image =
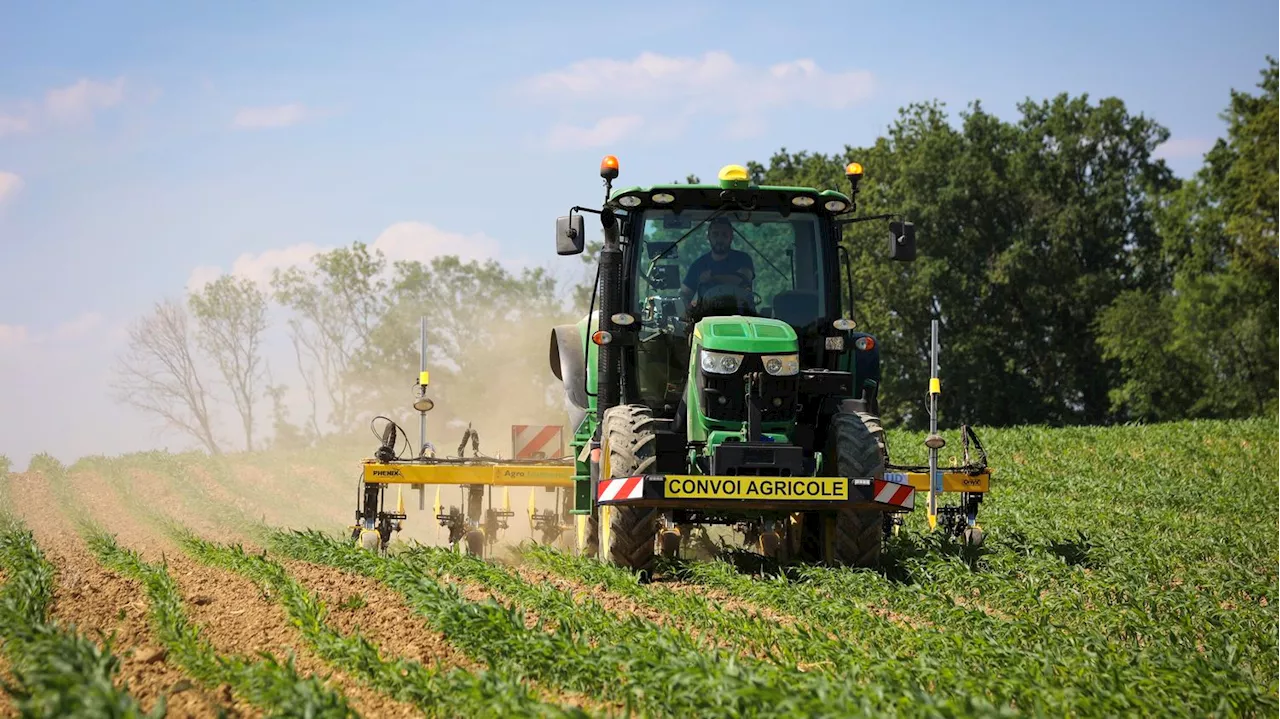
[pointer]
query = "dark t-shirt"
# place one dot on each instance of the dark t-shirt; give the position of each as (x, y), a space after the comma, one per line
(735, 261)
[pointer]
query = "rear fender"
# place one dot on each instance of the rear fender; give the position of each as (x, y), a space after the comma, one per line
(569, 365)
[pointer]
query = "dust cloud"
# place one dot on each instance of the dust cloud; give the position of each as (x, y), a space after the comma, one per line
(497, 388)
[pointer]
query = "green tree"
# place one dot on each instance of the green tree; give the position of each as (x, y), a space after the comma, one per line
(337, 303)
(1025, 230)
(1216, 303)
(231, 318)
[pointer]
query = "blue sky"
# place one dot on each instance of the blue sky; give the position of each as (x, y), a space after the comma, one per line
(146, 144)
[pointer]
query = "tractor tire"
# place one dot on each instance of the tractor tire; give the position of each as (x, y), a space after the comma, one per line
(475, 543)
(858, 446)
(632, 449)
(591, 543)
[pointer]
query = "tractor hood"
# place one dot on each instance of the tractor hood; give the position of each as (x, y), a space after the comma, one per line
(736, 333)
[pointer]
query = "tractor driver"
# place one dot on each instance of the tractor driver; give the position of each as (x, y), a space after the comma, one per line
(723, 265)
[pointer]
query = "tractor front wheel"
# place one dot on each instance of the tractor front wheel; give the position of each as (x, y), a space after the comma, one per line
(630, 449)
(858, 446)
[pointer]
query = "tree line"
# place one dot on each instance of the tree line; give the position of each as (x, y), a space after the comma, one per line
(1075, 278)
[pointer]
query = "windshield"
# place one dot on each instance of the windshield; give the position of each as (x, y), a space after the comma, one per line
(743, 262)
(753, 263)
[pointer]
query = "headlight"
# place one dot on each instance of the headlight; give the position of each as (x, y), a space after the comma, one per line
(720, 362)
(782, 365)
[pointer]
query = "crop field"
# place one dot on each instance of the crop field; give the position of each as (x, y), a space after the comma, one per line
(1127, 571)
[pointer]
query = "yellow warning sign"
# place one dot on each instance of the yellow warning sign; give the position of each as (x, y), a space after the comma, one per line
(834, 489)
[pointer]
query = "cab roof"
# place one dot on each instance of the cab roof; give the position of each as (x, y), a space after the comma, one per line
(704, 195)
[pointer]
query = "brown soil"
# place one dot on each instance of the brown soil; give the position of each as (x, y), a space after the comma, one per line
(97, 600)
(234, 614)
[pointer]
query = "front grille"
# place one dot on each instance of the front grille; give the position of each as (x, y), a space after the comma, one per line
(723, 397)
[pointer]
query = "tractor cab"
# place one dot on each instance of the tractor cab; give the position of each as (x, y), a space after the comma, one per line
(694, 256)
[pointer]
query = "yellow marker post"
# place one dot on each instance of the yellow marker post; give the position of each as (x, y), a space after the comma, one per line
(935, 389)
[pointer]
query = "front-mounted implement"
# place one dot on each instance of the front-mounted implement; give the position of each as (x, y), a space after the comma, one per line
(474, 524)
(720, 379)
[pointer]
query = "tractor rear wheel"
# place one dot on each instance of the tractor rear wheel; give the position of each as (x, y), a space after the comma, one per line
(858, 446)
(630, 449)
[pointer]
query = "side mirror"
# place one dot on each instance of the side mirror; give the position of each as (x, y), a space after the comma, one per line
(571, 235)
(902, 241)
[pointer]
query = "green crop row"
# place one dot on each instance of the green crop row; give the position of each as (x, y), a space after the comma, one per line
(56, 671)
(265, 683)
(1133, 568)
(657, 670)
(437, 693)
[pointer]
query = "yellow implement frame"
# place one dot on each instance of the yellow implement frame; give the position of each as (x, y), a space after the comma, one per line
(494, 475)
(951, 481)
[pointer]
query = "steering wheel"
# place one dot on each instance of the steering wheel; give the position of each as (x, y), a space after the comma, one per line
(724, 286)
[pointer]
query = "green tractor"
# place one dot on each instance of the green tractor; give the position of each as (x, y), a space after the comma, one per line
(717, 379)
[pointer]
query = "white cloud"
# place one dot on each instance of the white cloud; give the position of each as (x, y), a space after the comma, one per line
(70, 105)
(82, 326)
(274, 116)
(606, 131)
(400, 241)
(12, 336)
(78, 101)
(713, 84)
(13, 124)
(9, 185)
(1183, 147)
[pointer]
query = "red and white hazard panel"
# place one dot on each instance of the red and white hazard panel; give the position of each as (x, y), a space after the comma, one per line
(621, 488)
(537, 441)
(902, 495)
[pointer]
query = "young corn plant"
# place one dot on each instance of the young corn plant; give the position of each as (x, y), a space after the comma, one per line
(266, 683)
(435, 692)
(56, 670)
(658, 671)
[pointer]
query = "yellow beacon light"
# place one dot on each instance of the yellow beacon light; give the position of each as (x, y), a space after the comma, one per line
(853, 171)
(734, 176)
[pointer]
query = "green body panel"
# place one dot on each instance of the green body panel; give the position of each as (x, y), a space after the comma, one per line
(735, 333)
(582, 498)
(758, 335)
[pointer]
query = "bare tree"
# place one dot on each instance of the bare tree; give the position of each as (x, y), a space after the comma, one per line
(159, 375)
(231, 313)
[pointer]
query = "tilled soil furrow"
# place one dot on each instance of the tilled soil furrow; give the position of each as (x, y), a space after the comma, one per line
(98, 600)
(386, 619)
(236, 616)
(360, 604)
